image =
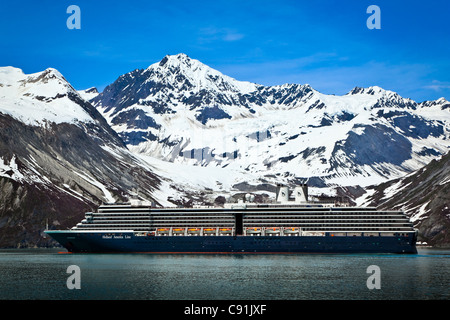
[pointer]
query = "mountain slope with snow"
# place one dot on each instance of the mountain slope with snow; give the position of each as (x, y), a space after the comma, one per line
(58, 158)
(39, 97)
(424, 195)
(182, 111)
(181, 132)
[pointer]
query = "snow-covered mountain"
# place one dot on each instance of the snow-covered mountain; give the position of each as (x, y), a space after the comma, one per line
(38, 98)
(88, 94)
(181, 111)
(182, 132)
(424, 195)
(58, 158)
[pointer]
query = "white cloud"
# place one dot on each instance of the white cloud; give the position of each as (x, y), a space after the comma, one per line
(219, 34)
(438, 86)
(232, 36)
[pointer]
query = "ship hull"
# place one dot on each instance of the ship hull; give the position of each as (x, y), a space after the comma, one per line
(123, 242)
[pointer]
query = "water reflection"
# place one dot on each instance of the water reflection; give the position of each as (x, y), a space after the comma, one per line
(41, 274)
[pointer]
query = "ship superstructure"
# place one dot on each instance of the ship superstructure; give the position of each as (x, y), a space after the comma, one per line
(287, 225)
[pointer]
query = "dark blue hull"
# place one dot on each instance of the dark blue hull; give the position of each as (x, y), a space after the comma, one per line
(128, 242)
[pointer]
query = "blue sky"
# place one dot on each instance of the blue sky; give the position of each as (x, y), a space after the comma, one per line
(323, 43)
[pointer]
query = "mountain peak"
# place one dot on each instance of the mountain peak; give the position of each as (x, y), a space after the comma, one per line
(88, 94)
(91, 90)
(442, 103)
(49, 75)
(180, 60)
(173, 59)
(10, 70)
(181, 70)
(39, 97)
(9, 75)
(372, 90)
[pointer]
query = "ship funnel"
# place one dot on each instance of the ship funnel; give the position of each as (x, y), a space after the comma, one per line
(301, 193)
(282, 193)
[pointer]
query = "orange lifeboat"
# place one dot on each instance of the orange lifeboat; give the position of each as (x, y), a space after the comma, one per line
(290, 231)
(209, 231)
(254, 230)
(194, 230)
(273, 230)
(163, 231)
(225, 230)
(178, 230)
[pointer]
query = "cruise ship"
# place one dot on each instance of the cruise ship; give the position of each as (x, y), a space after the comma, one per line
(290, 224)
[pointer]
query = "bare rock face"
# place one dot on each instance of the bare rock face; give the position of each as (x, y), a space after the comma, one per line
(182, 111)
(425, 196)
(63, 152)
(58, 159)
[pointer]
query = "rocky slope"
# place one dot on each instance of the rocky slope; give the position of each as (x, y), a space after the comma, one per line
(424, 195)
(182, 111)
(58, 158)
(181, 132)
(210, 132)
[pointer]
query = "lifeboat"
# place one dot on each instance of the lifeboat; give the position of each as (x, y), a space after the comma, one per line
(225, 230)
(272, 230)
(291, 231)
(209, 231)
(178, 230)
(254, 230)
(162, 231)
(194, 230)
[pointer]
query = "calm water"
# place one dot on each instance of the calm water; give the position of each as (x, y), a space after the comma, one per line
(42, 274)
